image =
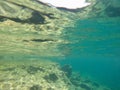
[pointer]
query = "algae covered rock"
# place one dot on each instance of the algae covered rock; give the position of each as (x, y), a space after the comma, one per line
(18, 78)
(41, 75)
(35, 87)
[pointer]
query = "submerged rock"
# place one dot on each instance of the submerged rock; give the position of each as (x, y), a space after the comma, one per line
(112, 11)
(51, 77)
(41, 40)
(81, 83)
(36, 87)
(84, 86)
(67, 69)
(33, 70)
(95, 84)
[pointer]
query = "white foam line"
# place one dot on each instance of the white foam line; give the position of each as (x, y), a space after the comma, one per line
(69, 4)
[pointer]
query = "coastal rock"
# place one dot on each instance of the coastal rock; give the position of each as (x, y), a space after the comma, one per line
(29, 75)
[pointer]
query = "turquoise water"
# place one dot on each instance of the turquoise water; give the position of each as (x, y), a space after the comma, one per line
(95, 51)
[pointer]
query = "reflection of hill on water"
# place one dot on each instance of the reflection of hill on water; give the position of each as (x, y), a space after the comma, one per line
(33, 28)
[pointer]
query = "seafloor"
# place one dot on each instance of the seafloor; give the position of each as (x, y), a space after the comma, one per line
(42, 75)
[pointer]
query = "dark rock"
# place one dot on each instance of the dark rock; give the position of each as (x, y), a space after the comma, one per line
(67, 69)
(23, 66)
(87, 81)
(51, 77)
(75, 79)
(33, 70)
(2, 19)
(36, 12)
(76, 83)
(85, 86)
(41, 40)
(112, 11)
(36, 18)
(33, 17)
(33, 20)
(38, 40)
(36, 87)
(25, 40)
(95, 84)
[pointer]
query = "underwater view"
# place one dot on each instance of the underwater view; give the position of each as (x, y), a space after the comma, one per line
(59, 45)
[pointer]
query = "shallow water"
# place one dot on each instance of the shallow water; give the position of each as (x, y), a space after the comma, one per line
(96, 51)
(91, 47)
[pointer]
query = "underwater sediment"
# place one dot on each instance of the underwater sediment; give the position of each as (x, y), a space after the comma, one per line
(42, 75)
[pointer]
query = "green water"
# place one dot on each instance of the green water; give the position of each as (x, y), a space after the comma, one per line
(95, 53)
